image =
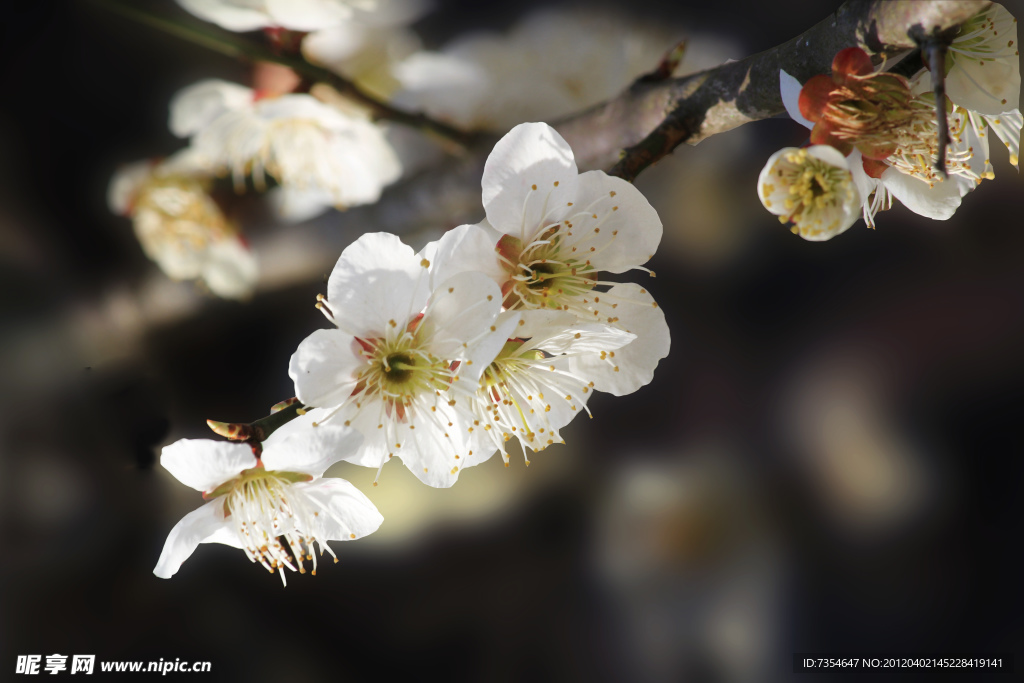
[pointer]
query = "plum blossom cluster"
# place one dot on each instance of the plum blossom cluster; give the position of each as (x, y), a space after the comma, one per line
(321, 150)
(875, 134)
(499, 332)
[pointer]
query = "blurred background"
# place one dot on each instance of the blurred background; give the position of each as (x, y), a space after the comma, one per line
(827, 461)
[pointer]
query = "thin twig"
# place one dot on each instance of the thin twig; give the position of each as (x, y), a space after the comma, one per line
(241, 47)
(933, 53)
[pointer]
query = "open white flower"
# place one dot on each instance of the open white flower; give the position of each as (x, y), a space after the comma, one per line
(308, 146)
(551, 231)
(812, 188)
(387, 369)
(531, 389)
(983, 76)
(297, 15)
(276, 507)
(180, 227)
(983, 67)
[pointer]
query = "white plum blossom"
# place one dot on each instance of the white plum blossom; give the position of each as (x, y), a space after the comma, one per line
(336, 158)
(296, 15)
(550, 232)
(275, 507)
(180, 227)
(366, 49)
(811, 187)
(983, 73)
(387, 368)
(531, 389)
(983, 77)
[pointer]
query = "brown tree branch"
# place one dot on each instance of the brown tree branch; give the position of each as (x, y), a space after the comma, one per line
(650, 119)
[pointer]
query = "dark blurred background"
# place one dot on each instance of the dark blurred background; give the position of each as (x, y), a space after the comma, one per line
(827, 461)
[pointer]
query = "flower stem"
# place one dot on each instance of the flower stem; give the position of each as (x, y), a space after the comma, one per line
(241, 47)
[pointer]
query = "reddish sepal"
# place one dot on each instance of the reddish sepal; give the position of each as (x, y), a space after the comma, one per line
(852, 61)
(874, 168)
(814, 97)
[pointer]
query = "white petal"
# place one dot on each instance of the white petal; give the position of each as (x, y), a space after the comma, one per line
(467, 248)
(334, 45)
(613, 223)
(308, 15)
(542, 323)
(632, 366)
(324, 368)
(205, 464)
(376, 280)
(790, 89)
(985, 72)
(227, 14)
(971, 141)
(230, 269)
(202, 524)
(558, 332)
(583, 338)
(1008, 130)
(449, 87)
(558, 410)
(300, 447)
(366, 420)
(430, 454)
(297, 206)
(482, 353)
(125, 184)
(828, 154)
(520, 176)
(939, 202)
(198, 105)
(345, 513)
(187, 162)
(460, 311)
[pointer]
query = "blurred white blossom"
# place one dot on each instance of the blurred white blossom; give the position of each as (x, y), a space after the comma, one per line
(180, 227)
(366, 49)
(296, 15)
(552, 63)
(332, 157)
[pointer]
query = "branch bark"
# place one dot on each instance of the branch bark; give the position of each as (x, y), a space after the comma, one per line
(650, 119)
